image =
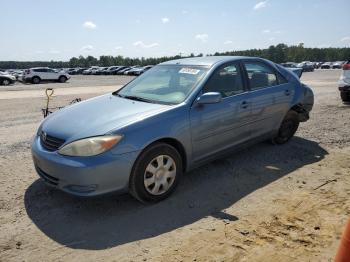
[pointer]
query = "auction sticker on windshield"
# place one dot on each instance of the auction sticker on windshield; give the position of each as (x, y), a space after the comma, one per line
(190, 71)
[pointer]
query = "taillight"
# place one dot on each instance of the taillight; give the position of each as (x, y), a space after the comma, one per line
(346, 67)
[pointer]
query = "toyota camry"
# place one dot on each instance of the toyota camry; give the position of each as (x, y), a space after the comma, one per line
(178, 115)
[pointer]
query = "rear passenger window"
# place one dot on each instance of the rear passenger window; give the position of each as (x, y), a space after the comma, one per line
(40, 70)
(260, 75)
(227, 80)
(281, 79)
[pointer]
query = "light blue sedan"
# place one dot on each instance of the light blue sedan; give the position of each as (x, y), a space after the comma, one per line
(175, 117)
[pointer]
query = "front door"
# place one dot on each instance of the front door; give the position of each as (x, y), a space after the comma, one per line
(51, 74)
(218, 126)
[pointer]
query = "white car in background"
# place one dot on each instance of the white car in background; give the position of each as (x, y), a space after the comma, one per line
(38, 74)
(344, 83)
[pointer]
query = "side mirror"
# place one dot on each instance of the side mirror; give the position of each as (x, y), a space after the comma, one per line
(209, 98)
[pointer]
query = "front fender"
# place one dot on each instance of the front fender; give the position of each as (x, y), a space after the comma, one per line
(169, 124)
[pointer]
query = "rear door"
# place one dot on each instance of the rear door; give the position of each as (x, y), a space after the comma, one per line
(42, 73)
(218, 126)
(270, 95)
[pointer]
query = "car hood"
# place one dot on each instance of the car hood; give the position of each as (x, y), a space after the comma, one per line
(98, 116)
(8, 76)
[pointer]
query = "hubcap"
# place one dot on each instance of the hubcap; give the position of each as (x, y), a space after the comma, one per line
(6, 82)
(159, 175)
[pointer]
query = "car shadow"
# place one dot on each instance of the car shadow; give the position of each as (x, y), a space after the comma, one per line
(108, 221)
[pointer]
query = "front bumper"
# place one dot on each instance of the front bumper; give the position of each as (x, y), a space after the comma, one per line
(83, 176)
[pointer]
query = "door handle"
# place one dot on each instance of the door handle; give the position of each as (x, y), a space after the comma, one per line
(244, 104)
(286, 92)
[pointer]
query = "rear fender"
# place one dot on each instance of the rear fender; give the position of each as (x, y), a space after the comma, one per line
(305, 103)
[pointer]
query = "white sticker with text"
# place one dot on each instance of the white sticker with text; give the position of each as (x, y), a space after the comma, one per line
(190, 71)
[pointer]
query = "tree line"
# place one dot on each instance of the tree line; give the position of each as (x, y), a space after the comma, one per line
(279, 54)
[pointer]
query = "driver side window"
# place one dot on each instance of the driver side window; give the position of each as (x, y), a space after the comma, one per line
(226, 80)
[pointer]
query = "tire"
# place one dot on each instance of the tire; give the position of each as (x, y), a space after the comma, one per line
(287, 129)
(62, 79)
(156, 173)
(345, 96)
(5, 82)
(36, 80)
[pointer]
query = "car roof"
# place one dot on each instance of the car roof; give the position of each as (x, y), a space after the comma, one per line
(204, 61)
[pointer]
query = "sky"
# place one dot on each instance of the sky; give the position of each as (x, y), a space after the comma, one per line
(58, 30)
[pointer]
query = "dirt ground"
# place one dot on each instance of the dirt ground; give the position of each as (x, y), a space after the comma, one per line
(266, 203)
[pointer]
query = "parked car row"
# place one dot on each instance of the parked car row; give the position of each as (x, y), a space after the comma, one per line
(111, 70)
(333, 65)
(308, 66)
(39, 74)
(328, 65)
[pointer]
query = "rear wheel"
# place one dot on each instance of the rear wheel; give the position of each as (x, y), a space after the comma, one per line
(36, 80)
(287, 129)
(62, 79)
(155, 173)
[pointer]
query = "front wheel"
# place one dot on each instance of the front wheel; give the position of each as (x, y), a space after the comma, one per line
(6, 82)
(287, 129)
(155, 173)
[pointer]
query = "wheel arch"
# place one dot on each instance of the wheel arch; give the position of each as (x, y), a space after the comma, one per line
(36, 76)
(299, 108)
(176, 144)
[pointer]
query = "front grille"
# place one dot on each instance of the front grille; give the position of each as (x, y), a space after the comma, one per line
(50, 143)
(47, 178)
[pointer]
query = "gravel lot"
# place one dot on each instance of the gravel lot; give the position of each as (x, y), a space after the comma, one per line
(266, 203)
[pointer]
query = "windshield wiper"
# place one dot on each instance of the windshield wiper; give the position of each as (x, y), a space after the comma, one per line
(137, 98)
(117, 94)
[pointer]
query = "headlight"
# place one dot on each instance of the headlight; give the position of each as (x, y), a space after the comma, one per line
(90, 146)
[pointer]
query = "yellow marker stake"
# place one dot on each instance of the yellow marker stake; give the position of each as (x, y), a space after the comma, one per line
(49, 93)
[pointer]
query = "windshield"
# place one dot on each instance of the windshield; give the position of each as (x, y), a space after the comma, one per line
(168, 84)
